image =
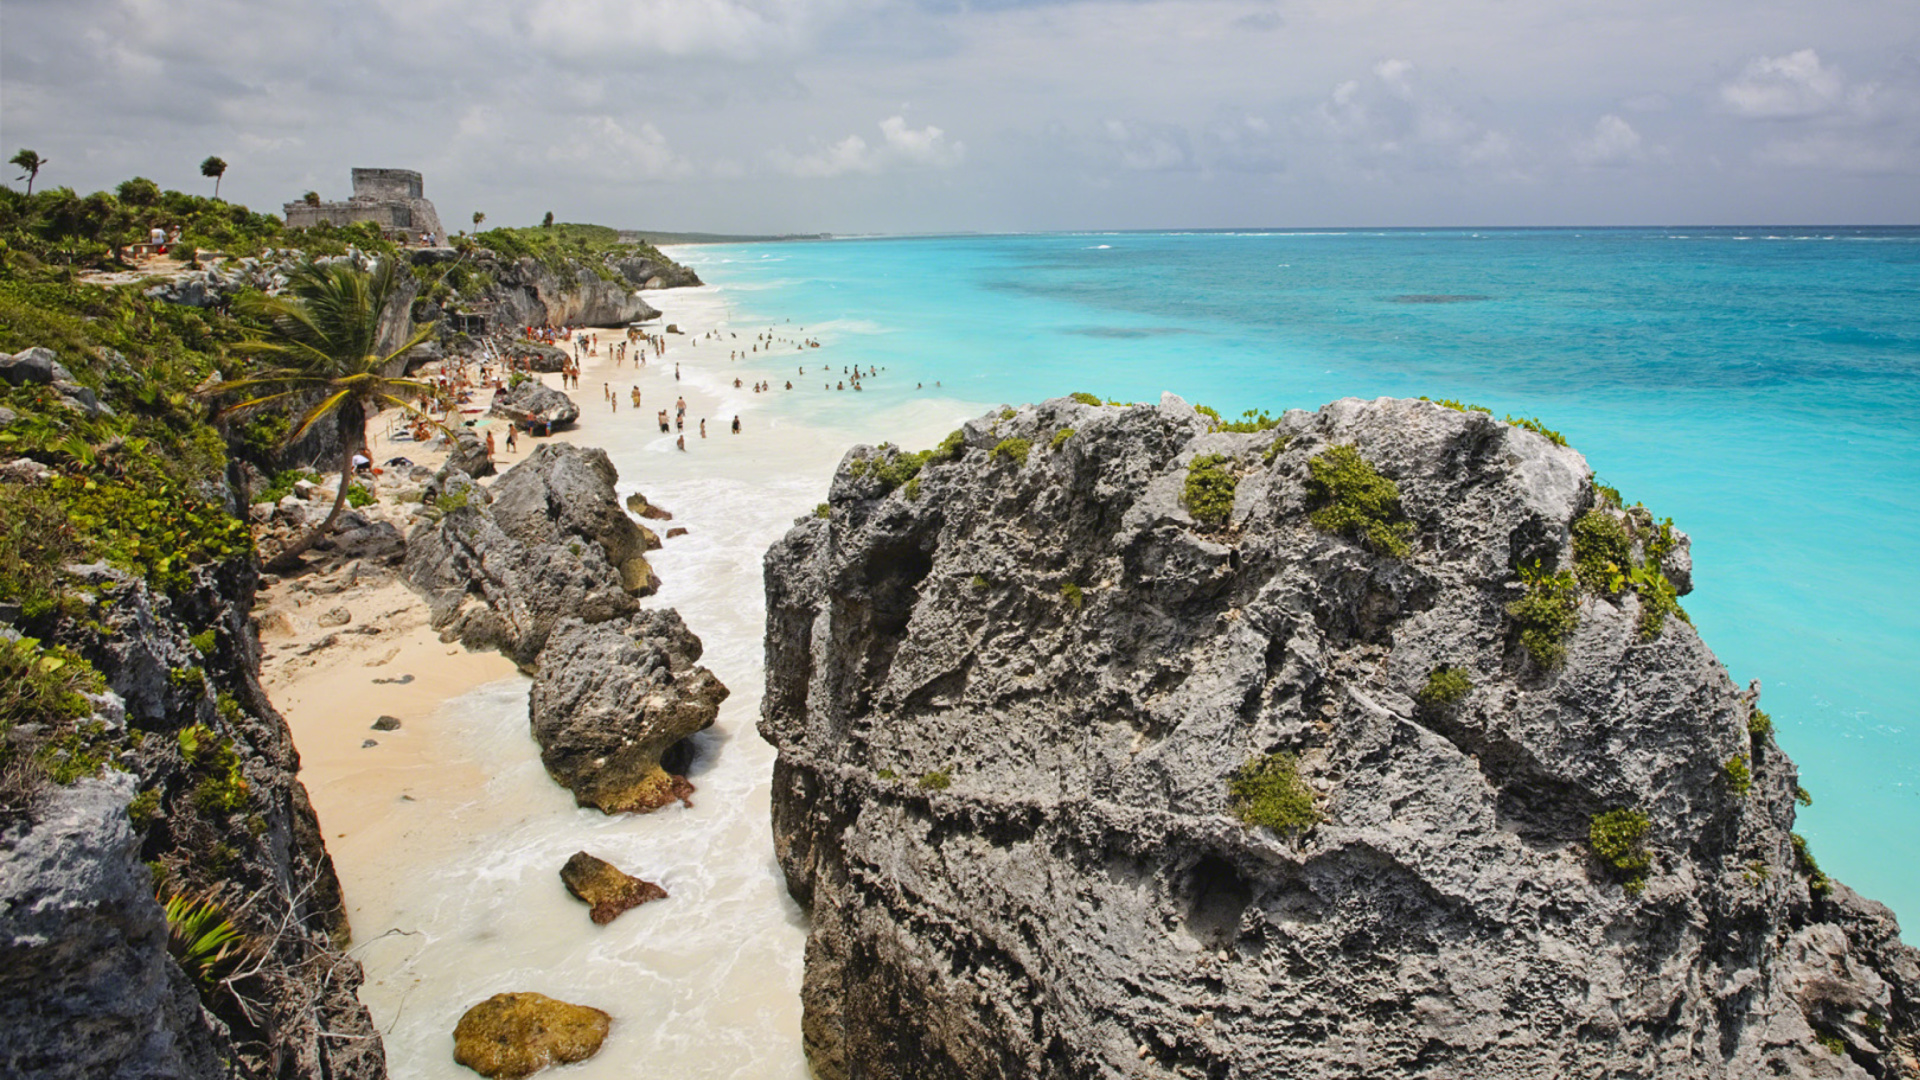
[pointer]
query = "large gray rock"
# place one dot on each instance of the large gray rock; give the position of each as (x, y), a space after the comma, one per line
(534, 402)
(87, 988)
(610, 699)
(537, 356)
(649, 273)
(548, 541)
(31, 367)
(1006, 801)
(468, 454)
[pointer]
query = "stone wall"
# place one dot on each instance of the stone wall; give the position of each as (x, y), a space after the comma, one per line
(387, 184)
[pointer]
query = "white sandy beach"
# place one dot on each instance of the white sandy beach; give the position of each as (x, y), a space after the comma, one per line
(448, 835)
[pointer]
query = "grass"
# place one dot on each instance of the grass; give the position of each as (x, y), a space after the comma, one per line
(1445, 686)
(1349, 497)
(1619, 839)
(1268, 793)
(1208, 494)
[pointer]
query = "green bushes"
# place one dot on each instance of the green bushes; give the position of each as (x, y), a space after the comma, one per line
(1457, 406)
(1538, 428)
(1445, 686)
(1817, 883)
(1267, 792)
(937, 780)
(1759, 724)
(1602, 552)
(201, 938)
(1209, 490)
(824, 510)
(1547, 615)
(1084, 398)
(1738, 775)
(1073, 594)
(222, 787)
(951, 447)
(358, 496)
(1618, 839)
(1059, 438)
(1348, 496)
(1016, 449)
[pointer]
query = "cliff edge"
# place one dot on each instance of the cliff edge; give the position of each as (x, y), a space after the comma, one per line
(1366, 742)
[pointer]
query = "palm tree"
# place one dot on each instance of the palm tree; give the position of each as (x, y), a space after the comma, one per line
(29, 164)
(216, 169)
(478, 217)
(325, 328)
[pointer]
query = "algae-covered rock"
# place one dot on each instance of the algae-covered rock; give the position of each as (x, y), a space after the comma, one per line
(514, 1035)
(608, 889)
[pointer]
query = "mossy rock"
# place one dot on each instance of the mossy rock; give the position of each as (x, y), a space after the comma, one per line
(514, 1035)
(638, 578)
(605, 887)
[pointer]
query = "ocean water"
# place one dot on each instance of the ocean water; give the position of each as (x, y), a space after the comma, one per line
(1760, 386)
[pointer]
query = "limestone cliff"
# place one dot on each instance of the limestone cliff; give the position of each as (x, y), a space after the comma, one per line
(1514, 820)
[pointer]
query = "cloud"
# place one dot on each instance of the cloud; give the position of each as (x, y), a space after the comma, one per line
(602, 145)
(1784, 87)
(1144, 147)
(900, 147)
(1390, 121)
(1613, 142)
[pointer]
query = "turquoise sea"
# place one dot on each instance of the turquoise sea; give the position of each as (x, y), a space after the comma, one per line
(1761, 386)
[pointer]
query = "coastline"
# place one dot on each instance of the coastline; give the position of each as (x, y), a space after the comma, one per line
(448, 834)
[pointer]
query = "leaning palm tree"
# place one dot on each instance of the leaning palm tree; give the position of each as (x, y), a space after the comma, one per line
(29, 164)
(324, 330)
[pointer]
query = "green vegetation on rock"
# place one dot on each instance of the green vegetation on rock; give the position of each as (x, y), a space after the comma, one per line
(1016, 449)
(1084, 398)
(1738, 774)
(1548, 614)
(1817, 883)
(1445, 686)
(1759, 724)
(1074, 595)
(1060, 437)
(1209, 490)
(1349, 497)
(936, 780)
(1618, 838)
(1268, 792)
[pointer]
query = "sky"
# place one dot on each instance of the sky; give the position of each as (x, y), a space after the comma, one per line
(851, 116)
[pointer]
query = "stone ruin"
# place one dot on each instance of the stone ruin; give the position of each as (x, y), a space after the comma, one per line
(393, 199)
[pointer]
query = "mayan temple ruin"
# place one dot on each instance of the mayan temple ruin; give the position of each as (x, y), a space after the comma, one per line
(390, 198)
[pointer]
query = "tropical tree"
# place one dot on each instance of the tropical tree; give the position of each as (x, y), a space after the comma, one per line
(215, 168)
(547, 222)
(29, 164)
(324, 332)
(478, 217)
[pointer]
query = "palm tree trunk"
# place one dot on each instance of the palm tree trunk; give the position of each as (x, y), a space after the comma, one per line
(289, 556)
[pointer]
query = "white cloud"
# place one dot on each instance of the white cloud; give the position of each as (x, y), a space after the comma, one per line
(900, 146)
(1783, 87)
(603, 146)
(1143, 147)
(1392, 121)
(1613, 142)
(1833, 151)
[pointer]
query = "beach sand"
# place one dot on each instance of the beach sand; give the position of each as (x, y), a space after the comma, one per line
(447, 834)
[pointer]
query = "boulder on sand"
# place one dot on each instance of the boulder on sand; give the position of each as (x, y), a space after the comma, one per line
(611, 698)
(515, 1035)
(534, 402)
(608, 889)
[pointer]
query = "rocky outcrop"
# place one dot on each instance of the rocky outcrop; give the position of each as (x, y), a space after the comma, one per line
(86, 986)
(534, 402)
(501, 567)
(611, 698)
(536, 356)
(648, 272)
(40, 367)
(1509, 824)
(605, 888)
(220, 821)
(547, 568)
(509, 1036)
(528, 292)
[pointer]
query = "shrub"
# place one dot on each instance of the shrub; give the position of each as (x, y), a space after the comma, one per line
(1251, 421)
(1547, 615)
(1538, 428)
(1445, 685)
(204, 641)
(1074, 596)
(1209, 491)
(937, 780)
(1658, 599)
(1618, 838)
(1267, 792)
(1060, 437)
(1817, 883)
(144, 808)
(1457, 406)
(1602, 552)
(913, 489)
(1015, 448)
(1349, 497)
(978, 584)
(1739, 777)
(823, 510)
(1007, 414)
(1834, 1044)
(886, 774)
(951, 447)
(201, 938)
(1275, 449)
(1802, 795)
(1084, 398)
(1759, 724)
(223, 787)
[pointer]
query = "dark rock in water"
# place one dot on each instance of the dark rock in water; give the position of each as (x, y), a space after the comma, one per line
(515, 1035)
(548, 541)
(605, 887)
(534, 402)
(369, 743)
(1482, 848)
(676, 531)
(611, 698)
(87, 988)
(638, 504)
(649, 539)
(386, 723)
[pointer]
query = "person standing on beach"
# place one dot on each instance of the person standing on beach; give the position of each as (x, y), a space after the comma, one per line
(513, 443)
(489, 445)
(736, 425)
(703, 427)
